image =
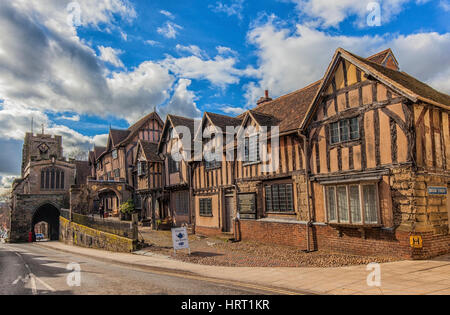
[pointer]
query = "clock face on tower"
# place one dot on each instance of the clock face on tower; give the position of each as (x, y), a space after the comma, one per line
(43, 147)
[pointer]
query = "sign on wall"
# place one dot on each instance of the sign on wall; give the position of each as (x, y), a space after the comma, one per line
(180, 239)
(432, 190)
(247, 206)
(416, 241)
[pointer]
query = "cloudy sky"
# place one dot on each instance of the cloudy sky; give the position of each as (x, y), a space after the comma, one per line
(81, 67)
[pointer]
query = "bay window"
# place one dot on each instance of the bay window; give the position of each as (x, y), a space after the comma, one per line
(352, 204)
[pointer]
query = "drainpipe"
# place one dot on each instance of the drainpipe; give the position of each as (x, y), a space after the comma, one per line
(308, 225)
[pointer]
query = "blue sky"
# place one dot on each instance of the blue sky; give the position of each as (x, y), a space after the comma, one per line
(121, 58)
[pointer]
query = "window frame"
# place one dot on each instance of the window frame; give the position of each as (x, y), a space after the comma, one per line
(173, 166)
(52, 179)
(208, 201)
(115, 154)
(341, 124)
(349, 211)
(278, 199)
(247, 150)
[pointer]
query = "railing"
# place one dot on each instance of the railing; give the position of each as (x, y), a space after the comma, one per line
(65, 213)
(124, 229)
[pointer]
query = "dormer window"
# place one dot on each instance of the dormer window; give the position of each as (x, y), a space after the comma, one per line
(114, 154)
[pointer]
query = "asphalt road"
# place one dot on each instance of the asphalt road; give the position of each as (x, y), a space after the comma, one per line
(28, 269)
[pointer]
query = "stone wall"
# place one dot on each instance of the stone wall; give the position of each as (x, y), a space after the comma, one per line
(75, 234)
(24, 209)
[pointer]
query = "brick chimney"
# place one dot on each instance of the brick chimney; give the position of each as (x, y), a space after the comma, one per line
(264, 99)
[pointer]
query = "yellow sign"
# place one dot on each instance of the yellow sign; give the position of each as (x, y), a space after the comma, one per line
(416, 241)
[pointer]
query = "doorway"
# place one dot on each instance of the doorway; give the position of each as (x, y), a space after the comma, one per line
(49, 215)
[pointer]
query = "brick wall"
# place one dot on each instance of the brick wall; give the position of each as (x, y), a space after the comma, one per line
(346, 240)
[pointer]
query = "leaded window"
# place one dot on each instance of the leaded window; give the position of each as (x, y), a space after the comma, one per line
(279, 198)
(344, 130)
(206, 207)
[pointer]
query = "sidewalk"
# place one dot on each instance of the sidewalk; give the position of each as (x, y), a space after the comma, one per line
(402, 277)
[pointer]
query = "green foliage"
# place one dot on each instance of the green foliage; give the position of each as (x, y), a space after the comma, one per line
(127, 207)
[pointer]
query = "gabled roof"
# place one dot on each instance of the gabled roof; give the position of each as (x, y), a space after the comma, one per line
(408, 83)
(98, 151)
(117, 136)
(173, 121)
(381, 57)
(136, 126)
(400, 82)
(150, 150)
(223, 121)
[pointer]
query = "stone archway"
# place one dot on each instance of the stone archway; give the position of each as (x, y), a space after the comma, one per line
(49, 214)
(110, 199)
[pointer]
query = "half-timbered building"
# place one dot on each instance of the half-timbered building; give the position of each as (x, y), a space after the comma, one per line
(175, 201)
(363, 165)
(214, 178)
(149, 180)
(115, 169)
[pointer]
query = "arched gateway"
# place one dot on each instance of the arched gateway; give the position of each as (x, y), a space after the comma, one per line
(49, 214)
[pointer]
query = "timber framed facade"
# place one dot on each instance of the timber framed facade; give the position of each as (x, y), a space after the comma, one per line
(362, 152)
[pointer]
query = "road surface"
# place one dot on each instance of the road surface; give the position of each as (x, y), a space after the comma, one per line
(29, 269)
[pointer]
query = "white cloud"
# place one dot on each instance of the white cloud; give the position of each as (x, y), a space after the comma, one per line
(192, 49)
(232, 110)
(332, 13)
(289, 61)
(219, 71)
(445, 5)
(167, 14)
(234, 8)
(71, 118)
(124, 36)
(222, 50)
(169, 30)
(101, 140)
(151, 42)
(182, 102)
(111, 55)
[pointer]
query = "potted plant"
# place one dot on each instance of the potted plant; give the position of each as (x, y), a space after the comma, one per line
(126, 209)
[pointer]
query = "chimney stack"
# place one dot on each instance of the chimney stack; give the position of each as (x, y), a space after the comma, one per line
(264, 99)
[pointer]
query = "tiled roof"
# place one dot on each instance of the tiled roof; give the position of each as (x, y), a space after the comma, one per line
(289, 109)
(379, 57)
(183, 121)
(119, 135)
(99, 151)
(408, 82)
(150, 151)
(223, 121)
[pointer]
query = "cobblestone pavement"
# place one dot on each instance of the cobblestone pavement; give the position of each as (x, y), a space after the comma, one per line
(223, 252)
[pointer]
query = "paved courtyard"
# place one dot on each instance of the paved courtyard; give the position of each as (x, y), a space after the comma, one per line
(223, 252)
